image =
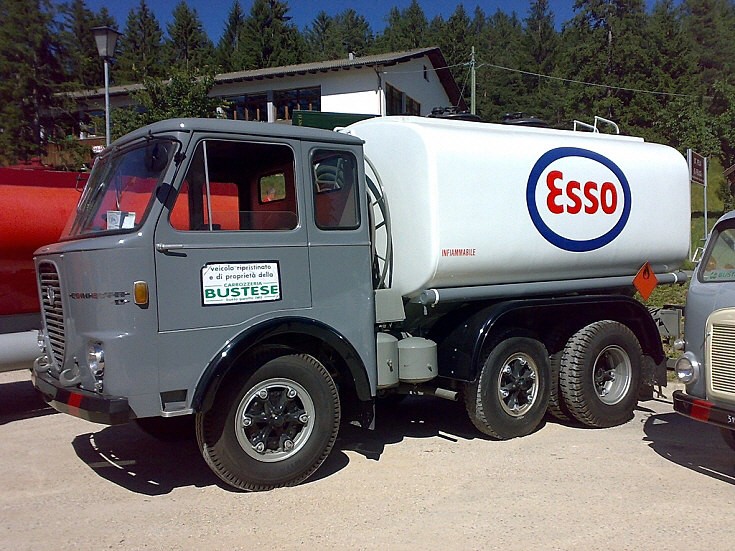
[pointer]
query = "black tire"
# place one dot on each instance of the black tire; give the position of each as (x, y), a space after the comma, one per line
(290, 414)
(728, 435)
(600, 374)
(168, 429)
(557, 407)
(510, 395)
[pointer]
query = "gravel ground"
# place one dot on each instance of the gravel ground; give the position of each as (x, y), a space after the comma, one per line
(425, 478)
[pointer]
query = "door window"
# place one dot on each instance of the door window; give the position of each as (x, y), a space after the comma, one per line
(336, 205)
(237, 186)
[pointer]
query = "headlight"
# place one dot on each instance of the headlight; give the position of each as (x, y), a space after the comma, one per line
(96, 358)
(680, 345)
(687, 368)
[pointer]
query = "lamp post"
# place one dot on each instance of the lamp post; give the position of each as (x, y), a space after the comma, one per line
(106, 38)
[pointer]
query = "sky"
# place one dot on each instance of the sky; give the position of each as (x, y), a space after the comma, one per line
(213, 13)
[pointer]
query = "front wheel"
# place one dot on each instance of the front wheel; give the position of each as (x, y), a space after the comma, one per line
(510, 395)
(271, 428)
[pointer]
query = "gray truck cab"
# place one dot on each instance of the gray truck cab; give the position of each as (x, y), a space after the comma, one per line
(191, 253)
(708, 363)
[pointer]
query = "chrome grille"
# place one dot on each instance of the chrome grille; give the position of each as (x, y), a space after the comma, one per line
(722, 368)
(53, 312)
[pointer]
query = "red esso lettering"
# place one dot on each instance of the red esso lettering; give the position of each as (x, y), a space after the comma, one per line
(588, 198)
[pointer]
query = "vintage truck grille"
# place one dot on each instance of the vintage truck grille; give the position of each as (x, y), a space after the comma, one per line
(722, 368)
(53, 312)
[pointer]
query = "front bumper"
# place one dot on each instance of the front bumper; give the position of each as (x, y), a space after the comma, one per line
(704, 410)
(81, 403)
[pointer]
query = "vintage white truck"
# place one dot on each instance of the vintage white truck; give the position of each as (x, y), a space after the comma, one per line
(707, 365)
(271, 282)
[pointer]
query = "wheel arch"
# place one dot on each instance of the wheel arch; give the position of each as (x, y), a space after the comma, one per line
(462, 342)
(284, 336)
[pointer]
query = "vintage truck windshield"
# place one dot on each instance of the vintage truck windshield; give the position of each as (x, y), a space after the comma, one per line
(719, 260)
(120, 189)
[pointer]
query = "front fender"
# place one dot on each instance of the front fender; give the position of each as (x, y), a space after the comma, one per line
(282, 334)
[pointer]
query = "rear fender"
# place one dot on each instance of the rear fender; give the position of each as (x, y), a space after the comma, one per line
(461, 343)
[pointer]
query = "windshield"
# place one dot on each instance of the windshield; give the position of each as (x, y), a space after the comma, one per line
(719, 261)
(120, 189)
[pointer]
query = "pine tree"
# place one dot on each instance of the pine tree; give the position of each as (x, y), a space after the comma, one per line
(229, 44)
(354, 32)
(188, 44)
(406, 30)
(711, 27)
(322, 39)
(29, 76)
(82, 67)
(140, 47)
(268, 39)
(503, 91)
(604, 46)
(539, 55)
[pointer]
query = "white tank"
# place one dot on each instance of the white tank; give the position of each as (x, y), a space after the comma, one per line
(481, 204)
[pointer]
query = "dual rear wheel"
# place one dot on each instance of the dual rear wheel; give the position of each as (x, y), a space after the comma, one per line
(593, 379)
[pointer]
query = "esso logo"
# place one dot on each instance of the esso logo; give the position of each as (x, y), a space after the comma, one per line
(578, 200)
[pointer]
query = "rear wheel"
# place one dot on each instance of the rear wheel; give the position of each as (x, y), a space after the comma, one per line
(271, 428)
(557, 407)
(510, 395)
(600, 373)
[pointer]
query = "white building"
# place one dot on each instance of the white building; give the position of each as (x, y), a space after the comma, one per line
(412, 82)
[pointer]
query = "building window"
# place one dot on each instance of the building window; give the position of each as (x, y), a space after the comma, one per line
(303, 99)
(398, 103)
(250, 107)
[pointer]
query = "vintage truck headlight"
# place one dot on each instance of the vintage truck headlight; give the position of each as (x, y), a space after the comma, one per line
(687, 368)
(96, 358)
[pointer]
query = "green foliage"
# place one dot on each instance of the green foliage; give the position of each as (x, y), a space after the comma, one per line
(228, 46)
(666, 295)
(188, 44)
(141, 47)
(185, 94)
(604, 61)
(29, 73)
(267, 38)
(406, 30)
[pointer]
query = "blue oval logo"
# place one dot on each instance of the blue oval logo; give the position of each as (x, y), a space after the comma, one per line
(578, 200)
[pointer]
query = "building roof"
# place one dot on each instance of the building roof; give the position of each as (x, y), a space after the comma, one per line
(380, 60)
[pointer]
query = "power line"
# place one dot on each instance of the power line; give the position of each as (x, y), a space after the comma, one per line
(622, 88)
(540, 75)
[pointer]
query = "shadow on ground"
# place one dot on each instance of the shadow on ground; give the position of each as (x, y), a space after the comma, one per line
(19, 400)
(691, 444)
(130, 458)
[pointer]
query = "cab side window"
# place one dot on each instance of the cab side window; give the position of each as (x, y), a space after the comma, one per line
(334, 177)
(237, 186)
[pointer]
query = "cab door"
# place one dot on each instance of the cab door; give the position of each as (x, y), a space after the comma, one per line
(231, 249)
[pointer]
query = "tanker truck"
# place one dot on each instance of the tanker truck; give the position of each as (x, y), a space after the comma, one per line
(265, 283)
(35, 203)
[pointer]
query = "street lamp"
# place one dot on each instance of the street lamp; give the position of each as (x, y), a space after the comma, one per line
(106, 38)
